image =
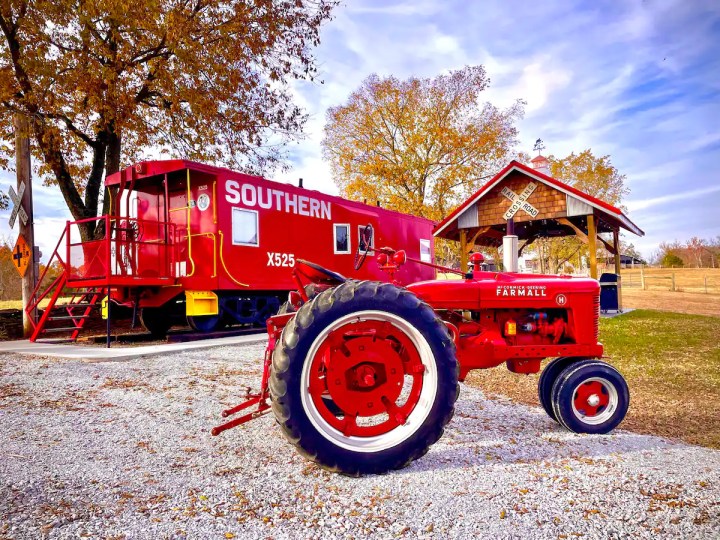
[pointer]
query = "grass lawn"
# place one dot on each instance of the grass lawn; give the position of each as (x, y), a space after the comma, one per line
(672, 365)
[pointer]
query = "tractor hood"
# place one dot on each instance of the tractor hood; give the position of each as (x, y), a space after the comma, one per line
(505, 291)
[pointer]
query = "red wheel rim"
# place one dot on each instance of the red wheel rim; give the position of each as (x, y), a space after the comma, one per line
(366, 378)
(591, 398)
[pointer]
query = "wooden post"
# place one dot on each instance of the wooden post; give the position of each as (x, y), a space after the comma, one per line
(592, 246)
(642, 279)
(22, 168)
(673, 281)
(616, 245)
(463, 250)
(705, 280)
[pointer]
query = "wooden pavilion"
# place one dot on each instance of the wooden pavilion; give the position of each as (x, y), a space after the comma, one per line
(529, 203)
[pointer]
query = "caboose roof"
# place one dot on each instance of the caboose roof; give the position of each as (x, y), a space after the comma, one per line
(447, 228)
(148, 169)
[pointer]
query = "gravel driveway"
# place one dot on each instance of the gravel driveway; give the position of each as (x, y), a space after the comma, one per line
(122, 450)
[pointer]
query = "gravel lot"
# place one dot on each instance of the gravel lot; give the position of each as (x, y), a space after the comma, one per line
(122, 450)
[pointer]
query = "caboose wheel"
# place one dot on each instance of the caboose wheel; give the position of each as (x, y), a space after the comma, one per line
(590, 397)
(547, 379)
(156, 320)
(207, 323)
(364, 378)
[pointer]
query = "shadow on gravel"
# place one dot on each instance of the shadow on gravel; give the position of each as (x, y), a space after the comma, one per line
(487, 432)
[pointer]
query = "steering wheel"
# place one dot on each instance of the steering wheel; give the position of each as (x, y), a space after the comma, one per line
(366, 237)
(317, 274)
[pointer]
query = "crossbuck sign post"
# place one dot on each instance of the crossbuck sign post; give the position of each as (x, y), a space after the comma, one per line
(17, 210)
(510, 241)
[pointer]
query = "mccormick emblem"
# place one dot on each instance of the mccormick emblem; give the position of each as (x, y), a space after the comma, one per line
(253, 196)
(521, 290)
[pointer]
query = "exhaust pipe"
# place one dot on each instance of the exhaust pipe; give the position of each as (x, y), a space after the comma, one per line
(510, 253)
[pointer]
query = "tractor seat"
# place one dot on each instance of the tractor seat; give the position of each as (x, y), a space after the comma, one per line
(318, 274)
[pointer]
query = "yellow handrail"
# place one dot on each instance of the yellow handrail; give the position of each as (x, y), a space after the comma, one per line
(189, 236)
(211, 235)
(222, 261)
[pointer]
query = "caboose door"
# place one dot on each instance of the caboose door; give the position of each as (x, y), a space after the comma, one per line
(192, 211)
(178, 216)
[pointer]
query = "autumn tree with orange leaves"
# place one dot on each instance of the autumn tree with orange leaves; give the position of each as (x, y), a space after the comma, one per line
(419, 145)
(596, 176)
(105, 80)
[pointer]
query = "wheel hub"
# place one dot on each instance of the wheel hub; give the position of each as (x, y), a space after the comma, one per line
(591, 398)
(363, 372)
(366, 378)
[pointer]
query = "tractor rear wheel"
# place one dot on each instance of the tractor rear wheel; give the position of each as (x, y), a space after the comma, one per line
(548, 377)
(364, 378)
(590, 397)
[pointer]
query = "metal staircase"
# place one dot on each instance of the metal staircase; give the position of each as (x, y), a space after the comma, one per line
(66, 318)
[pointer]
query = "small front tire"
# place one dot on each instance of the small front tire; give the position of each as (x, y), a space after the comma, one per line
(548, 377)
(590, 397)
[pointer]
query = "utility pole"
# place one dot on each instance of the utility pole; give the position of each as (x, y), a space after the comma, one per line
(22, 168)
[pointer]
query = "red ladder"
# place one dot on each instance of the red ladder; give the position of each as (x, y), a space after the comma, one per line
(61, 318)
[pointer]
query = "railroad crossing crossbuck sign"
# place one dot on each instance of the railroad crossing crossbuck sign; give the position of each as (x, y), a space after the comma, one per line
(520, 203)
(21, 255)
(17, 205)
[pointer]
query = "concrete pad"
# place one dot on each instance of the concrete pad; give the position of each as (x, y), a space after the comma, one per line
(616, 313)
(101, 354)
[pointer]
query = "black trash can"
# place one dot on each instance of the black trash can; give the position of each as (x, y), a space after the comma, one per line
(609, 292)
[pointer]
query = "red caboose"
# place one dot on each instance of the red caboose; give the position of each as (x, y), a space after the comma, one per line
(185, 239)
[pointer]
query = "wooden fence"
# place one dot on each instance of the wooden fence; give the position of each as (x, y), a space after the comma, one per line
(698, 280)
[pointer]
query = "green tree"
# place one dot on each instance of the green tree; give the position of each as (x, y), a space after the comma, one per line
(670, 260)
(104, 80)
(419, 145)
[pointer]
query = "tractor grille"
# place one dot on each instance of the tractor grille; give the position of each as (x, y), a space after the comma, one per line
(596, 301)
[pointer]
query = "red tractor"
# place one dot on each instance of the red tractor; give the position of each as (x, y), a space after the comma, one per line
(363, 375)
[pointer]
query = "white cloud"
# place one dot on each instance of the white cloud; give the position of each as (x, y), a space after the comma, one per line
(673, 198)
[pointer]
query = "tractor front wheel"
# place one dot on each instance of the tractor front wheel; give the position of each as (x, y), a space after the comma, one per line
(364, 378)
(548, 377)
(590, 397)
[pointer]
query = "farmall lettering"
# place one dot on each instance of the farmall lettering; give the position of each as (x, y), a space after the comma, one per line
(521, 291)
(520, 203)
(267, 198)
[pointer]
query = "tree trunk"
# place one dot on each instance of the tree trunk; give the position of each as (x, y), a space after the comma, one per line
(111, 161)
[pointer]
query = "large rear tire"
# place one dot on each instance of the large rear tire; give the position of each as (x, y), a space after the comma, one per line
(387, 364)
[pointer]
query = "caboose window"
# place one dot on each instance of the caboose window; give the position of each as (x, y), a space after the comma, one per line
(245, 227)
(425, 253)
(341, 236)
(366, 239)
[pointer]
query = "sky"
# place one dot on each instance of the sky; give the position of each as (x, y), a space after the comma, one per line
(636, 80)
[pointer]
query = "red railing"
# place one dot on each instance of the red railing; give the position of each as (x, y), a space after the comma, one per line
(132, 248)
